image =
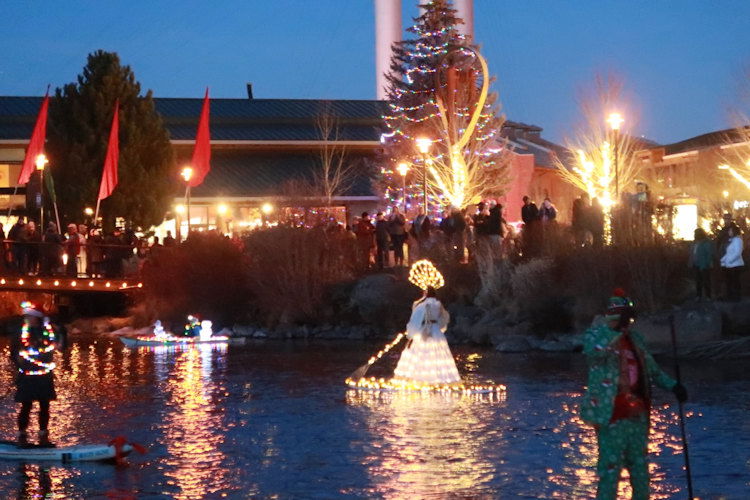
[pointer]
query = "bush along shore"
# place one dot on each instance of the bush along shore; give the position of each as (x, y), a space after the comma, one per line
(290, 283)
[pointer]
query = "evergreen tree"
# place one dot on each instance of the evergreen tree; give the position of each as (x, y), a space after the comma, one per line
(421, 74)
(79, 125)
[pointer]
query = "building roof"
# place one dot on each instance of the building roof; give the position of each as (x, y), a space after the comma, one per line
(711, 139)
(233, 119)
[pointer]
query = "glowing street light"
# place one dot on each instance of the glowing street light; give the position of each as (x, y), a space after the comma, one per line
(615, 120)
(180, 209)
(222, 209)
(423, 145)
(266, 208)
(41, 161)
(88, 211)
(187, 174)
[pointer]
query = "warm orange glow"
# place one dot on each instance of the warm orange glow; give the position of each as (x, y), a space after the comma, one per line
(403, 169)
(20, 282)
(424, 144)
(91, 283)
(38, 282)
(187, 173)
(615, 120)
(41, 161)
(56, 283)
(73, 283)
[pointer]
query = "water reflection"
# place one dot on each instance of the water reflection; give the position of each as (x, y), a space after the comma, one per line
(193, 429)
(428, 444)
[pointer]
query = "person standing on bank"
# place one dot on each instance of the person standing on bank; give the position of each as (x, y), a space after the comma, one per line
(32, 354)
(618, 397)
(701, 261)
(382, 241)
(732, 263)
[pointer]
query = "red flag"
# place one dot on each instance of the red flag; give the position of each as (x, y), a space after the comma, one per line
(202, 153)
(109, 175)
(36, 144)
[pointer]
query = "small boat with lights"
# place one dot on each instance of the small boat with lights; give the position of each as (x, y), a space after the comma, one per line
(198, 333)
(10, 450)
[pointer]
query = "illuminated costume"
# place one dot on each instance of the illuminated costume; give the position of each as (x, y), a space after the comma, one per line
(618, 398)
(427, 357)
(32, 355)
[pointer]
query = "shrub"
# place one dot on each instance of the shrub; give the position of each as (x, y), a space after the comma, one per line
(203, 275)
(291, 272)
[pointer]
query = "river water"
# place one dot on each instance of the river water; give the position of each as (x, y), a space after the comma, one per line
(273, 420)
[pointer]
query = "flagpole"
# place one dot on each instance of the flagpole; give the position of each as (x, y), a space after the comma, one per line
(96, 214)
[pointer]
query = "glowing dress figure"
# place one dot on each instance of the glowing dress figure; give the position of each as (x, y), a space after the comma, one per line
(427, 359)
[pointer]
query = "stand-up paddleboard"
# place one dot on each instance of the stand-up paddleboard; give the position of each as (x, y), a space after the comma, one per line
(180, 342)
(10, 450)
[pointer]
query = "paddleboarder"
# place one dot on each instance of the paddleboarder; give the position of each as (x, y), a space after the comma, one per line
(618, 398)
(32, 353)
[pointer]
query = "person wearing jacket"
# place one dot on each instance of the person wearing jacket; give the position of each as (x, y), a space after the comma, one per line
(701, 261)
(618, 397)
(732, 263)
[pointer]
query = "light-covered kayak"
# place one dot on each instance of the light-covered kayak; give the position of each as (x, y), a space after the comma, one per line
(177, 341)
(82, 453)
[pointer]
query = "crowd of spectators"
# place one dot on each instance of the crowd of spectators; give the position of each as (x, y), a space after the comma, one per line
(81, 251)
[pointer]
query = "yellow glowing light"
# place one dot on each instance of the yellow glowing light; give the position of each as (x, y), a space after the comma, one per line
(395, 384)
(20, 282)
(91, 283)
(140, 285)
(267, 208)
(38, 282)
(736, 175)
(180, 209)
(615, 120)
(73, 283)
(222, 209)
(2, 281)
(41, 161)
(124, 284)
(424, 144)
(403, 169)
(424, 274)
(88, 211)
(685, 222)
(108, 284)
(56, 283)
(187, 173)
(725, 194)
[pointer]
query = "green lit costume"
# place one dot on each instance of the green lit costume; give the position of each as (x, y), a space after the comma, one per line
(617, 403)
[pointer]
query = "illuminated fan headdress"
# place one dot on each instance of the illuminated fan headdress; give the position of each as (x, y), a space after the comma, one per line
(424, 275)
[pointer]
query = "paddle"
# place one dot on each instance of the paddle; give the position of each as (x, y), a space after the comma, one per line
(681, 409)
(362, 370)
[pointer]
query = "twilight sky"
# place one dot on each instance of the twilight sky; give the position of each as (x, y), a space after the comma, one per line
(682, 61)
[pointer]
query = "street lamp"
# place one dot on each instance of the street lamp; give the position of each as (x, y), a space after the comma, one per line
(403, 169)
(615, 120)
(40, 162)
(423, 145)
(187, 174)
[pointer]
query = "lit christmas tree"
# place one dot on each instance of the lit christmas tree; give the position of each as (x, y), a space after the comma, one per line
(435, 87)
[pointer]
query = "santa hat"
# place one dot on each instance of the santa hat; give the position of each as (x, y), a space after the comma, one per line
(30, 309)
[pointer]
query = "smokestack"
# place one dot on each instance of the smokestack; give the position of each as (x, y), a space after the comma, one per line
(387, 32)
(465, 10)
(249, 90)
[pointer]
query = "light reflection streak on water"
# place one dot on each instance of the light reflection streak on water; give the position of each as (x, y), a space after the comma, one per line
(421, 443)
(44, 481)
(580, 447)
(193, 429)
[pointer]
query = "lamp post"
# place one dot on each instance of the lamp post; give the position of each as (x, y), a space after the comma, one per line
(41, 161)
(423, 145)
(187, 174)
(403, 169)
(615, 120)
